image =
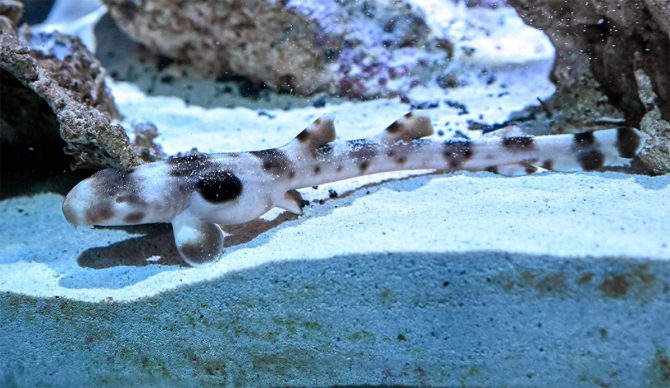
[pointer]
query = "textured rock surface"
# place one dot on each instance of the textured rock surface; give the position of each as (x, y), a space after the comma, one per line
(601, 47)
(655, 156)
(607, 40)
(54, 99)
(352, 48)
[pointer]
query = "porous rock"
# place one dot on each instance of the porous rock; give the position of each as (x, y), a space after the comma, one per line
(655, 156)
(352, 48)
(607, 40)
(56, 110)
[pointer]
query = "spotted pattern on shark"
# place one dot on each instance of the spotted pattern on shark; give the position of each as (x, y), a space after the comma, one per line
(197, 192)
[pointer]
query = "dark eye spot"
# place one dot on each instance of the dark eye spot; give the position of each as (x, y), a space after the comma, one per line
(219, 186)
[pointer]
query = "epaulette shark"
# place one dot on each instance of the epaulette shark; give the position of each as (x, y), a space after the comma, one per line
(198, 192)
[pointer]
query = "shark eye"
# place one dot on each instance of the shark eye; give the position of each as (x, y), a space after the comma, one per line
(219, 186)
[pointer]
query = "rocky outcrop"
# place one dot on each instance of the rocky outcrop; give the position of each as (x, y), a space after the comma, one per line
(351, 48)
(56, 111)
(610, 39)
(655, 156)
(600, 45)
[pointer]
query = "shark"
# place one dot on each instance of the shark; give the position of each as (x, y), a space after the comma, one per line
(199, 192)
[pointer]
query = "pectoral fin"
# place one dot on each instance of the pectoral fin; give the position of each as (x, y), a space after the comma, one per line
(198, 242)
(291, 201)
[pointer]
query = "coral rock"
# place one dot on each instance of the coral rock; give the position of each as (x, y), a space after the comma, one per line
(55, 103)
(609, 39)
(352, 48)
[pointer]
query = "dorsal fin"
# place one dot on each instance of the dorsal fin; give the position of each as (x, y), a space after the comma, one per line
(317, 134)
(413, 125)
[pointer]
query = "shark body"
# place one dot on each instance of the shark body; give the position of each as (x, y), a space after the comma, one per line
(198, 192)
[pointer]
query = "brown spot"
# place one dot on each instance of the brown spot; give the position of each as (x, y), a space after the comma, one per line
(408, 115)
(627, 142)
(401, 159)
(393, 128)
(189, 165)
(584, 139)
(457, 152)
(322, 132)
(660, 369)
(530, 169)
(548, 164)
(615, 286)
(519, 143)
(317, 170)
(132, 199)
(603, 333)
(273, 160)
(291, 174)
(591, 160)
(493, 169)
(339, 168)
(303, 136)
(390, 153)
(100, 212)
(296, 197)
(362, 151)
(585, 278)
(134, 217)
(553, 282)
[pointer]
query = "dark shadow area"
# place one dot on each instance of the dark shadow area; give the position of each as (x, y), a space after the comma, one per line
(35, 11)
(13, 185)
(31, 150)
(158, 242)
